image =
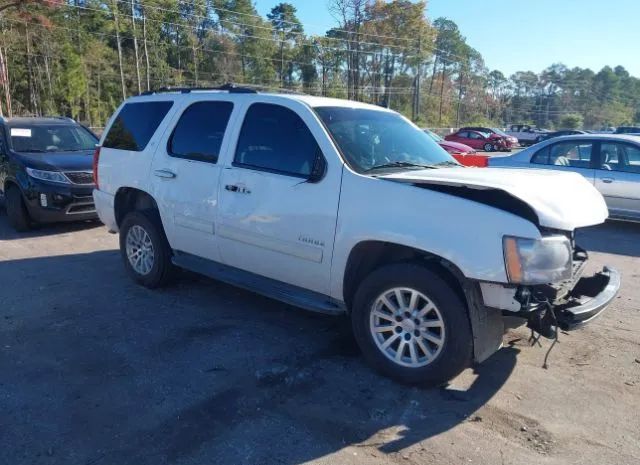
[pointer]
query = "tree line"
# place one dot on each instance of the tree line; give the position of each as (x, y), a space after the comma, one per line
(81, 58)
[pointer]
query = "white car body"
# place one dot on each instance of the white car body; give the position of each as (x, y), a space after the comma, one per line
(302, 234)
(619, 187)
(525, 134)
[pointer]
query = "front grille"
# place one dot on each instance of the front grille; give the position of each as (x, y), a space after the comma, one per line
(80, 177)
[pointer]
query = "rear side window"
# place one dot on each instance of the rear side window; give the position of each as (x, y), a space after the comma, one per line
(135, 125)
(200, 130)
(541, 157)
(275, 139)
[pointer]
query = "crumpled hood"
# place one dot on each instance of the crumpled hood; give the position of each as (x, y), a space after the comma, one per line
(561, 200)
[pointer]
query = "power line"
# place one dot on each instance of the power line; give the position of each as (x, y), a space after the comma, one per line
(451, 56)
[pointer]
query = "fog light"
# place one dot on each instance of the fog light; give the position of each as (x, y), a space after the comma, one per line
(43, 200)
(57, 198)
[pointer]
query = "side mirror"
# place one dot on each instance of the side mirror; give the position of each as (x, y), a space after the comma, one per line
(318, 169)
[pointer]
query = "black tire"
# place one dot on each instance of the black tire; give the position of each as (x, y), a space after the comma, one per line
(16, 210)
(488, 147)
(456, 352)
(162, 269)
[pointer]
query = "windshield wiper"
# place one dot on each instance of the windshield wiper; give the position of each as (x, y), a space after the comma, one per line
(399, 164)
(447, 163)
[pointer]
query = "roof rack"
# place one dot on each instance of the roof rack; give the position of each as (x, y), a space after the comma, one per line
(229, 87)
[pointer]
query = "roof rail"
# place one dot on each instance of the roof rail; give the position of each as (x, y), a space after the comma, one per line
(229, 87)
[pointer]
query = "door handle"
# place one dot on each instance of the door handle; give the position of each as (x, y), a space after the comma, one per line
(166, 174)
(238, 189)
(607, 180)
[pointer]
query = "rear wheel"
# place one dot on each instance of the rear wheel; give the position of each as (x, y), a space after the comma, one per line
(16, 210)
(411, 325)
(145, 249)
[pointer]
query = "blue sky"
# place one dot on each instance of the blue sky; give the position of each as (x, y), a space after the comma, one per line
(520, 36)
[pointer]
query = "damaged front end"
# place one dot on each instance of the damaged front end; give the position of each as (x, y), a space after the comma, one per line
(568, 304)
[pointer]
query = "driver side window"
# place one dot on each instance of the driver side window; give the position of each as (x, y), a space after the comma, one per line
(620, 157)
(275, 139)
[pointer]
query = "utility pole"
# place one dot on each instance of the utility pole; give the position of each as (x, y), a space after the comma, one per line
(416, 87)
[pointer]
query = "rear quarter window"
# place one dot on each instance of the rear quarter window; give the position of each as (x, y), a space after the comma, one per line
(135, 125)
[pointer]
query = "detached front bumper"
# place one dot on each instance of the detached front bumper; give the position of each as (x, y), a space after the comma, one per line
(588, 299)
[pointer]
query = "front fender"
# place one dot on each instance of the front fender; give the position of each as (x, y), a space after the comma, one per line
(466, 233)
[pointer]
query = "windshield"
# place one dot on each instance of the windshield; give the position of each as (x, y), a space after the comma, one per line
(434, 136)
(375, 138)
(499, 131)
(51, 138)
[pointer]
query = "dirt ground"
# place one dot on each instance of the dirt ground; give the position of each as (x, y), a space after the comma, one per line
(95, 370)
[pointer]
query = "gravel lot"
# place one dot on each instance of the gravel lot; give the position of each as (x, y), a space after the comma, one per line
(95, 370)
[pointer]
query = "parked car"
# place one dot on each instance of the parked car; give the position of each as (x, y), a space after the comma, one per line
(526, 134)
(480, 140)
(464, 154)
(342, 207)
(564, 132)
(610, 162)
(45, 171)
(627, 130)
(512, 142)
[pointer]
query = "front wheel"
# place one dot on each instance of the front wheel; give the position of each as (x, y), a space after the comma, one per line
(17, 213)
(411, 325)
(488, 147)
(145, 250)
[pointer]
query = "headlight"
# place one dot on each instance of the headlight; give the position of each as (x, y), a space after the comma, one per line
(537, 261)
(50, 176)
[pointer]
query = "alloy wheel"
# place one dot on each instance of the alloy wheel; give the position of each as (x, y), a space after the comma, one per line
(139, 248)
(407, 327)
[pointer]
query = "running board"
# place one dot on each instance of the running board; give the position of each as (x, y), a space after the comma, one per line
(268, 287)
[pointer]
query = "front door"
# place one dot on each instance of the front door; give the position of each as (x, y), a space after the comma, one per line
(274, 221)
(618, 178)
(186, 174)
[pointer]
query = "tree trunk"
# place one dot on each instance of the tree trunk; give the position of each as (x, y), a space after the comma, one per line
(29, 72)
(4, 79)
(433, 74)
(115, 19)
(146, 51)
(135, 46)
(441, 95)
(459, 100)
(282, 59)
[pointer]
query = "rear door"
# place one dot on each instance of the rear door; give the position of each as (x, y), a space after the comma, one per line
(186, 174)
(475, 140)
(578, 156)
(131, 141)
(461, 137)
(273, 221)
(618, 178)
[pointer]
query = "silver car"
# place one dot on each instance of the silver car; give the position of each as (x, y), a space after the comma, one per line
(610, 161)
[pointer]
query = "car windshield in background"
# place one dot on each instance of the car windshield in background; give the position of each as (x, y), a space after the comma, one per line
(499, 131)
(434, 136)
(376, 138)
(51, 138)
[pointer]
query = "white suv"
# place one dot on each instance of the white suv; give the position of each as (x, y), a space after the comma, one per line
(346, 208)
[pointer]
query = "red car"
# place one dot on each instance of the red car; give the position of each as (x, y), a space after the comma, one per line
(462, 153)
(480, 140)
